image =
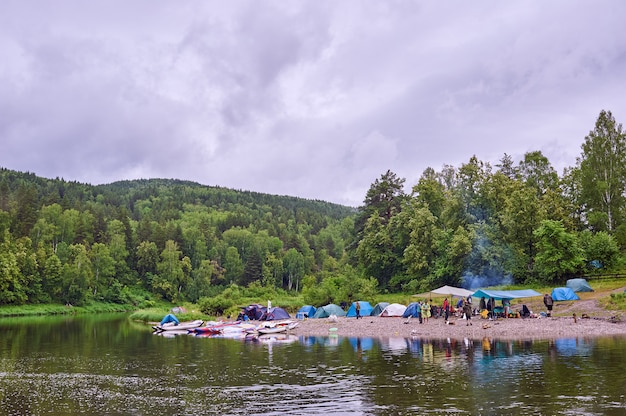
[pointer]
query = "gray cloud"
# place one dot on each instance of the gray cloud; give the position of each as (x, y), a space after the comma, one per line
(312, 99)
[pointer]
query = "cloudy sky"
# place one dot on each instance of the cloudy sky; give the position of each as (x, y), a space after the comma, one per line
(314, 99)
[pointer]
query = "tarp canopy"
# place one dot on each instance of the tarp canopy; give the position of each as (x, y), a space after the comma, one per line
(446, 291)
(563, 293)
(393, 309)
(453, 291)
(366, 309)
(330, 309)
(578, 285)
(379, 308)
(307, 310)
(505, 294)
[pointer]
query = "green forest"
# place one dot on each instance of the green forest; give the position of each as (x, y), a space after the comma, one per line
(517, 222)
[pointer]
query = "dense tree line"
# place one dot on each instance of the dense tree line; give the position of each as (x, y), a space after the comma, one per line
(516, 223)
(71, 242)
(521, 222)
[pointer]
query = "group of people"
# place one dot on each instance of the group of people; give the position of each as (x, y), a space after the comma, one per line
(488, 308)
(464, 308)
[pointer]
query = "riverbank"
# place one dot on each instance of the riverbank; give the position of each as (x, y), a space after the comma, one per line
(511, 328)
(49, 309)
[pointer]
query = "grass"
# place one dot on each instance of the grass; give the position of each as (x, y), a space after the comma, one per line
(614, 302)
(56, 309)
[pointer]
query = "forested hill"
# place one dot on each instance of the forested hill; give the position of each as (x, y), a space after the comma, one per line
(471, 225)
(215, 196)
(70, 241)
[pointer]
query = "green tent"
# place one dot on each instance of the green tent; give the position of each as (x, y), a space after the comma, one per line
(330, 309)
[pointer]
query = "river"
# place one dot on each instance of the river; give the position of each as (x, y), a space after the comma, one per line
(108, 365)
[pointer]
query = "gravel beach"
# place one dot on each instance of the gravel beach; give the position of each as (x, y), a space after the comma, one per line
(510, 328)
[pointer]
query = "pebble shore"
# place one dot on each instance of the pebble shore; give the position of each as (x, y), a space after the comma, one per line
(458, 328)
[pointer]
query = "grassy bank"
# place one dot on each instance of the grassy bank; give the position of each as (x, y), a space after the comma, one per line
(56, 309)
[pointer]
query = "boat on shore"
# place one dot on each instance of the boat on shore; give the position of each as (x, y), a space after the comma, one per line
(275, 327)
(182, 326)
(272, 330)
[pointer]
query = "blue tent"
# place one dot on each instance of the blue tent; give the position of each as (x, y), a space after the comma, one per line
(330, 309)
(307, 311)
(366, 309)
(505, 294)
(563, 293)
(274, 314)
(169, 318)
(414, 310)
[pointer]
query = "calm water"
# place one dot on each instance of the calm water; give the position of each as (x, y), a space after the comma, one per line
(107, 365)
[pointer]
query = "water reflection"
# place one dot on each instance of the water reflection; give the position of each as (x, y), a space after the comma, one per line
(108, 365)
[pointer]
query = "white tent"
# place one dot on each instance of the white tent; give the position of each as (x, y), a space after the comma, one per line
(393, 309)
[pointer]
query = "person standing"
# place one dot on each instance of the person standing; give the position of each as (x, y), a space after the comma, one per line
(506, 307)
(446, 308)
(357, 306)
(491, 304)
(549, 302)
(467, 309)
(425, 311)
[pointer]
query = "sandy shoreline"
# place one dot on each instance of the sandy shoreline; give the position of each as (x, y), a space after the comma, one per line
(513, 329)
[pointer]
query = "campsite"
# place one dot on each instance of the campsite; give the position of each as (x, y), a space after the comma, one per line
(579, 310)
(593, 317)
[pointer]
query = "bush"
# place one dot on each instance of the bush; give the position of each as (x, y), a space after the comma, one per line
(617, 301)
(215, 306)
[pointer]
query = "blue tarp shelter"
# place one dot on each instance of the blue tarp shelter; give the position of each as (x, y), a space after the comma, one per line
(366, 309)
(379, 308)
(578, 285)
(414, 310)
(330, 309)
(505, 294)
(169, 318)
(563, 293)
(307, 311)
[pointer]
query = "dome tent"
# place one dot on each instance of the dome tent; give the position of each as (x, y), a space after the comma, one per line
(274, 314)
(393, 309)
(563, 293)
(414, 310)
(307, 311)
(330, 309)
(578, 285)
(366, 309)
(379, 308)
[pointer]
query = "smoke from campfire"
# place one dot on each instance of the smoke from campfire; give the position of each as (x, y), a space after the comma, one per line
(471, 281)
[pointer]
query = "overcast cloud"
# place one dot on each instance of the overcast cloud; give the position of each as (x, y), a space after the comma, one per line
(314, 99)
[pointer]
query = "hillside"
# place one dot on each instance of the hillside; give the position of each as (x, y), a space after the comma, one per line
(177, 239)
